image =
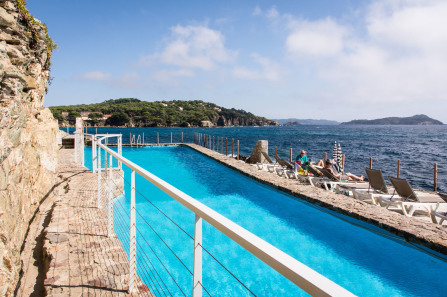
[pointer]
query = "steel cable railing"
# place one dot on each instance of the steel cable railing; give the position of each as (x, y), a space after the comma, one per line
(146, 268)
(157, 256)
(161, 262)
(304, 277)
(177, 225)
(142, 252)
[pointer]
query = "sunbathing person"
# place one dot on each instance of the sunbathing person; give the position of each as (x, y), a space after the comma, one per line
(349, 175)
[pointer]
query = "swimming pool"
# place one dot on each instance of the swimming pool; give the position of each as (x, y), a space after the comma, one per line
(360, 260)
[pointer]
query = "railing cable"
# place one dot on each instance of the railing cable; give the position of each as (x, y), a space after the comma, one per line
(223, 266)
(122, 228)
(147, 258)
(234, 276)
(140, 280)
(147, 199)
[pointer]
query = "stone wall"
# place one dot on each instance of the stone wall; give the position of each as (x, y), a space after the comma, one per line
(28, 149)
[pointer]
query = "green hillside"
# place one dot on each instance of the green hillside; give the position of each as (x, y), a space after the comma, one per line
(136, 113)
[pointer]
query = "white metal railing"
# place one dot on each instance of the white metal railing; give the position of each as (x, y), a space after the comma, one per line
(301, 275)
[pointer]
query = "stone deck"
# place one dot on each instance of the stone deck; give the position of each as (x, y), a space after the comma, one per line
(416, 230)
(80, 259)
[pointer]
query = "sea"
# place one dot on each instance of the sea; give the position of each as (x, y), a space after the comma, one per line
(417, 147)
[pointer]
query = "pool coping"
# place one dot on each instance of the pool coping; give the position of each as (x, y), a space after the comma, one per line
(412, 230)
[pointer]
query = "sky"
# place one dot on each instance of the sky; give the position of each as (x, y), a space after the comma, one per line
(322, 59)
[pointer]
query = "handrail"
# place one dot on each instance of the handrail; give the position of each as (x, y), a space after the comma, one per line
(303, 276)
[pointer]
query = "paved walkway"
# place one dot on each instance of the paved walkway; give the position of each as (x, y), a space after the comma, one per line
(79, 258)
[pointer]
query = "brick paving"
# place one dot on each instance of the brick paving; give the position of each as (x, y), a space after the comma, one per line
(82, 259)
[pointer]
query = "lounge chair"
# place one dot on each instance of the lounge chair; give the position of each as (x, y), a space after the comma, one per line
(270, 165)
(377, 187)
(286, 168)
(315, 178)
(435, 214)
(330, 182)
(409, 200)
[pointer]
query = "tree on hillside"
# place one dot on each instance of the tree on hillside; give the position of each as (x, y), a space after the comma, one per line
(118, 119)
(72, 115)
(58, 116)
(95, 117)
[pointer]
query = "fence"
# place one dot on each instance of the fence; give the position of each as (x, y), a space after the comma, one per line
(298, 273)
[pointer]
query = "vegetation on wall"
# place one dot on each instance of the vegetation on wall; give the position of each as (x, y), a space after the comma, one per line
(174, 113)
(33, 26)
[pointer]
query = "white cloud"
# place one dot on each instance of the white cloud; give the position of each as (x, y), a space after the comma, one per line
(257, 11)
(96, 75)
(397, 54)
(168, 75)
(319, 38)
(272, 13)
(269, 70)
(194, 47)
(126, 80)
(409, 24)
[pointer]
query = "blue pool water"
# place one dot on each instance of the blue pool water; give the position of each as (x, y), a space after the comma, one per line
(360, 260)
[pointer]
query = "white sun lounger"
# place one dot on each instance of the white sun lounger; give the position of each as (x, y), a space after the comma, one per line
(410, 201)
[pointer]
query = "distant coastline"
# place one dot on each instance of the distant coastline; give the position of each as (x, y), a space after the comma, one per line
(419, 119)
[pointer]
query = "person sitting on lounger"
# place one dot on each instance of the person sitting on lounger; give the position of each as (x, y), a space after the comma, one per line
(349, 175)
(303, 160)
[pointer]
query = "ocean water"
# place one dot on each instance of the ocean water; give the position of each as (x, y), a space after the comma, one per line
(417, 147)
(362, 258)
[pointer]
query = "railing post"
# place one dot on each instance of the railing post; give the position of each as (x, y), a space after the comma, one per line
(76, 140)
(120, 150)
(158, 138)
(197, 269)
(435, 177)
(213, 142)
(221, 145)
(99, 175)
(94, 154)
(82, 147)
(110, 203)
(226, 146)
(171, 137)
(133, 236)
(398, 168)
(106, 173)
(370, 162)
(238, 149)
(182, 136)
(143, 138)
(291, 157)
(232, 147)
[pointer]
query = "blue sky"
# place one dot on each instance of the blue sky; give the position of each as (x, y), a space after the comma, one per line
(321, 59)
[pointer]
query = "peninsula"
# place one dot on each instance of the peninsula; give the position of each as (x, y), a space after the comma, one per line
(419, 119)
(131, 112)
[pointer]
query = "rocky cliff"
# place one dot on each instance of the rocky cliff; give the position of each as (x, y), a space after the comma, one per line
(28, 150)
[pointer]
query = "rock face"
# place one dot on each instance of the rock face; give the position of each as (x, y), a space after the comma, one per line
(256, 156)
(28, 149)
